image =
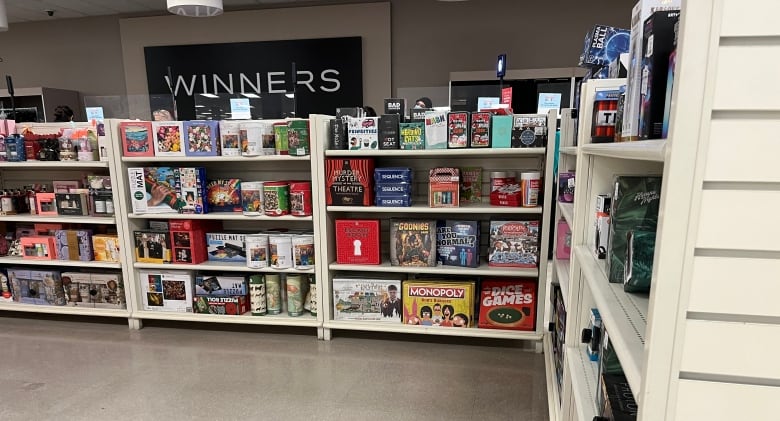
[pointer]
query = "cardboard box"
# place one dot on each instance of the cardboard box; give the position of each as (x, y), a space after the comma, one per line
(72, 204)
(166, 291)
(227, 306)
(220, 286)
(74, 245)
(349, 182)
(39, 247)
(226, 247)
(357, 241)
(40, 287)
(188, 240)
(501, 131)
(412, 242)
(363, 133)
(152, 246)
(514, 244)
(201, 138)
(367, 299)
(137, 139)
(184, 189)
(657, 45)
(444, 188)
(603, 45)
(106, 248)
(438, 303)
(507, 304)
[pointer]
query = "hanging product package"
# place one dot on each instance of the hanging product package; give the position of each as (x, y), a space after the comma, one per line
(638, 270)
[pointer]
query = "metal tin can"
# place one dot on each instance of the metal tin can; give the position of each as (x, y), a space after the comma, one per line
(257, 296)
(280, 136)
(312, 295)
(300, 198)
(280, 251)
(501, 178)
(303, 251)
(298, 137)
(257, 138)
(256, 251)
(530, 185)
(252, 198)
(273, 293)
(276, 198)
(229, 134)
(295, 296)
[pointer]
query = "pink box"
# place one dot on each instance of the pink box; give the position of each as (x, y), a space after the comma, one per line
(563, 247)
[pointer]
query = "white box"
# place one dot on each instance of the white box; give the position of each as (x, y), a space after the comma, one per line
(166, 291)
(168, 138)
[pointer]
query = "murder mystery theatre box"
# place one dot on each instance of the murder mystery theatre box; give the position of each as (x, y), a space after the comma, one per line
(514, 244)
(357, 241)
(438, 303)
(367, 299)
(412, 242)
(457, 243)
(349, 182)
(166, 291)
(507, 304)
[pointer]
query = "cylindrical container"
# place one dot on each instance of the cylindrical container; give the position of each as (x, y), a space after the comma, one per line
(252, 198)
(273, 293)
(312, 294)
(280, 133)
(229, 134)
(256, 250)
(303, 251)
(300, 198)
(276, 198)
(295, 296)
(257, 138)
(501, 178)
(530, 185)
(298, 137)
(257, 297)
(280, 247)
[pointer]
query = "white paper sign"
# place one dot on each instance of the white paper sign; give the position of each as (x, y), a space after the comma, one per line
(94, 113)
(547, 102)
(239, 108)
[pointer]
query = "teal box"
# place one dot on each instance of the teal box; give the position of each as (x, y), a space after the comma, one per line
(501, 131)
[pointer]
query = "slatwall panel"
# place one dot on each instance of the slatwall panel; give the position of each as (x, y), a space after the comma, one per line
(739, 219)
(756, 68)
(719, 284)
(733, 144)
(750, 18)
(714, 401)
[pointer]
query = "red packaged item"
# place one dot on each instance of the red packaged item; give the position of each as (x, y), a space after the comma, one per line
(507, 195)
(357, 241)
(444, 187)
(507, 304)
(349, 182)
(188, 240)
(300, 198)
(234, 305)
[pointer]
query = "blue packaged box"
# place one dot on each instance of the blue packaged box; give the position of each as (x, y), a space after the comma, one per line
(603, 45)
(393, 189)
(457, 243)
(392, 175)
(201, 138)
(402, 201)
(220, 286)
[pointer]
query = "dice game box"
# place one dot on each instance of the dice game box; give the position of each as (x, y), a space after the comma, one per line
(457, 243)
(507, 304)
(438, 303)
(514, 244)
(349, 182)
(367, 299)
(357, 241)
(166, 291)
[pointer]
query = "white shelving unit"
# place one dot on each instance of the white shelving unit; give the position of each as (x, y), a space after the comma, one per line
(221, 216)
(583, 377)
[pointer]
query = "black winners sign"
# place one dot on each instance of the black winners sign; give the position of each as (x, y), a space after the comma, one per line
(328, 74)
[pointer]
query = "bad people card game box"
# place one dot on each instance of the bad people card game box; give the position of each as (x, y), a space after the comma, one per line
(438, 303)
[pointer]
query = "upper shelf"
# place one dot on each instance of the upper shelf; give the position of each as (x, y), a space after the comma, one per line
(427, 153)
(239, 158)
(224, 216)
(569, 150)
(53, 164)
(466, 208)
(644, 150)
(482, 270)
(59, 219)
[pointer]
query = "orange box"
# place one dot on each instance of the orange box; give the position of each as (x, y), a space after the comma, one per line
(38, 247)
(106, 248)
(46, 204)
(444, 188)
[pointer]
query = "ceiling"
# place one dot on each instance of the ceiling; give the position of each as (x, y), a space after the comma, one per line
(34, 10)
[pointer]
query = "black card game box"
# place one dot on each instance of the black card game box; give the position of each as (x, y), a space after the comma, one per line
(389, 131)
(457, 243)
(529, 131)
(396, 106)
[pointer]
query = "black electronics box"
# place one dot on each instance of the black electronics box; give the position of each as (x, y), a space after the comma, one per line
(618, 403)
(389, 131)
(657, 45)
(396, 106)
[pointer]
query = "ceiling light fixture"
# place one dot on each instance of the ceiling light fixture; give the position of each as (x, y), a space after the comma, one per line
(195, 8)
(3, 17)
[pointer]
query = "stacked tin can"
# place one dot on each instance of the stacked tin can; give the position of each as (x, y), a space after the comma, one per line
(393, 186)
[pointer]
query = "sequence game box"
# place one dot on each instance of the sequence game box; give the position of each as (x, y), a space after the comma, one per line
(367, 299)
(507, 304)
(166, 291)
(514, 244)
(457, 243)
(438, 303)
(413, 242)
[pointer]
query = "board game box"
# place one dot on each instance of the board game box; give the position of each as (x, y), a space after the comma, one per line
(438, 303)
(412, 135)
(219, 285)
(507, 304)
(153, 246)
(529, 131)
(226, 247)
(224, 195)
(166, 291)
(235, 305)
(471, 185)
(168, 138)
(367, 299)
(480, 130)
(412, 242)
(363, 133)
(349, 182)
(188, 240)
(435, 130)
(357, 241)
(168, 190)
(457, 243)
(514, 244)
(201, 138)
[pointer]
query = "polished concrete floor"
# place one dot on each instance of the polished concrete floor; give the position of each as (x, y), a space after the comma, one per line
(90, 371)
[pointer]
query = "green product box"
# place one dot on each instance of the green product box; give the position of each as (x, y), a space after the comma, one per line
(639, 259)
(413, 135)
(501, 131)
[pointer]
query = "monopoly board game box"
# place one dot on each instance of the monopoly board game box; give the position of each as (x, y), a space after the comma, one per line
(507, 304)
(367, 299)
(349, 182)
(166, 291)
(226, 246)
(457, 243)
(438, 303)
(413, 242)
(514, 244)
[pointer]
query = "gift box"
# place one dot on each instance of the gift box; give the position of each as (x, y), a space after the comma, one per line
(137, 139)
(563, 242)
(227, 306)
(166, 291)
(444, 188)
(357, 241)
(39, 247)
(74, 244)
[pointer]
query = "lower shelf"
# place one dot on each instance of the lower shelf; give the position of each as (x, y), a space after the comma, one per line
(553, 397)
(424, 330)
(76, 311)
(584, 381)
(248, 319)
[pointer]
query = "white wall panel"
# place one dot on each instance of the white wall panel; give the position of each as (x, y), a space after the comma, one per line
(712, 401)
(743, 150)
(731, 349)
(735, 286)
(741, 220)
(747, 78)
(750, 18)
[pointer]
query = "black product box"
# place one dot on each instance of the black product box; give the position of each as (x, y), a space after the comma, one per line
(529, 131)
(338, 134)
(396, 106)
(349, 112)
(657, 45)
(389, 131)
(418, 114)
(72, 204)
(618, 403)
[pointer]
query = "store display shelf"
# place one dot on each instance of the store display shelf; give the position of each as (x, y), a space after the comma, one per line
(75, 311)
(430, 153)
(584, 381)
(216, 266)
(644, 150)
(624, 315)
(425, 330)
(567, 212)
(224, 216)
(553, 396)
(562, 268)
(231, 159)
(16, 260)
(482, 270)
(470, 208)
(55, 165)
(569, 150)
(58, 219)
(275, 320)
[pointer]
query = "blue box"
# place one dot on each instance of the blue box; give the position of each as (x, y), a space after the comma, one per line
(393, 189)
(457, 243)
(392, 201)
(201, 138)
(220, 286)
(603, 45)
(392, 175)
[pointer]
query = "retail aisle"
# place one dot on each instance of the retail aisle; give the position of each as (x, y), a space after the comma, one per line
(84, 371)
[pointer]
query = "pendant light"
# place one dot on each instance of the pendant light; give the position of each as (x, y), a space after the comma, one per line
(3, 17)
(195, 8)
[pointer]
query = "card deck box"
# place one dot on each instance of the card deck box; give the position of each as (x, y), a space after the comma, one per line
(184, 189)
(201, 138)
(188, 240)
(39, 247)
(457, 243)
(393, 189)
(444, 187)
(74, 244)
(417, 115)
(357, 241)
(529, 131)
(438, 303)
(480, 130)
(235, 305)
(367, 299)
(393, 201)
(435, 130)
(106, 248)
(72, 204)
(40, 287)
(412, 242)
(389, 127)
(392, 175)
(363, 133)
(219, 285)
(501, 131)
(168, 138)
(603, 45)
(166, 291)
(298, 142)
(137, 139)
(458, 130)
(471, 185)
(395, 106)
(514, 244)
(338, 134)
(152, 246)
(563, 242)
(507, 304)
(657, 45)
(226, 247)
(412, 135)
(224, 195)
(349, 182)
